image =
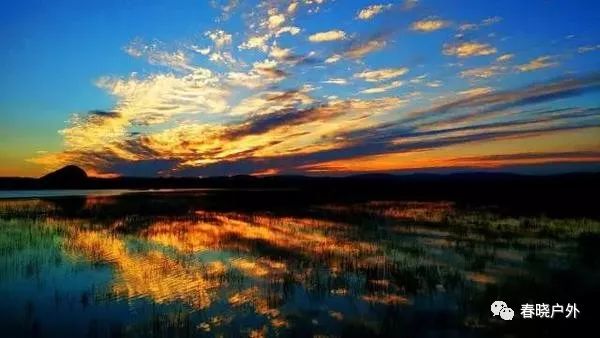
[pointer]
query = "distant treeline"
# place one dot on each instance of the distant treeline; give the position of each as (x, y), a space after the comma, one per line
(569, 193)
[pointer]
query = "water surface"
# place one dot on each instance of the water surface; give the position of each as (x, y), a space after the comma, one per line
(209, 263)
(43, 193)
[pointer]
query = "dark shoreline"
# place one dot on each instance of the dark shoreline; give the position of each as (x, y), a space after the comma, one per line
(559, 195)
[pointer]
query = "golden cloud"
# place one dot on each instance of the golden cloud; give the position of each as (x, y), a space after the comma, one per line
(381, 74)
(219, 37)
(256, 42)
(537, 63)
(467, 49)
(332, 35)
(476, 91)
(275, 20)
(293, 30)
(371, 11)
(280, 53)
(429, 25)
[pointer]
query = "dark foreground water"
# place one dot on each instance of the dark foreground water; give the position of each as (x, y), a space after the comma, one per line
(265, 264)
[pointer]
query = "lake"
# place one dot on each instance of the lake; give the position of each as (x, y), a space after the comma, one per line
(274, 263)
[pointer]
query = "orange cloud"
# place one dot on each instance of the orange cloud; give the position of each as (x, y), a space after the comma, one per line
(536, 149)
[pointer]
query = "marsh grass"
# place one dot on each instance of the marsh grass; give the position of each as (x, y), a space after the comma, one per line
(375, 268)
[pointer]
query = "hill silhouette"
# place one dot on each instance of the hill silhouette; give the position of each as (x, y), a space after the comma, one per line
(66, 175)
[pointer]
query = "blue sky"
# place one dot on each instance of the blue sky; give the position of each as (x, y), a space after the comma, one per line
(318, 87)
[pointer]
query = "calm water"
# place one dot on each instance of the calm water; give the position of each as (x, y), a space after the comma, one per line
(83, 192)
(264, 264)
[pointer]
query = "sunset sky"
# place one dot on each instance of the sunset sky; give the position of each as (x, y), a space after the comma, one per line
(319, 87)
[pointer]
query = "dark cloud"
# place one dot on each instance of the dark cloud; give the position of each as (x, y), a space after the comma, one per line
(368, 146)
(494, 101)
(563, 117)
(103, 113)
(301, 59)
(262, 124)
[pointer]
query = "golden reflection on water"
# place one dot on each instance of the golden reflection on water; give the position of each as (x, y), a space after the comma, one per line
(164, 276)
(236, 231)
(248, 262)
(151, 273)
